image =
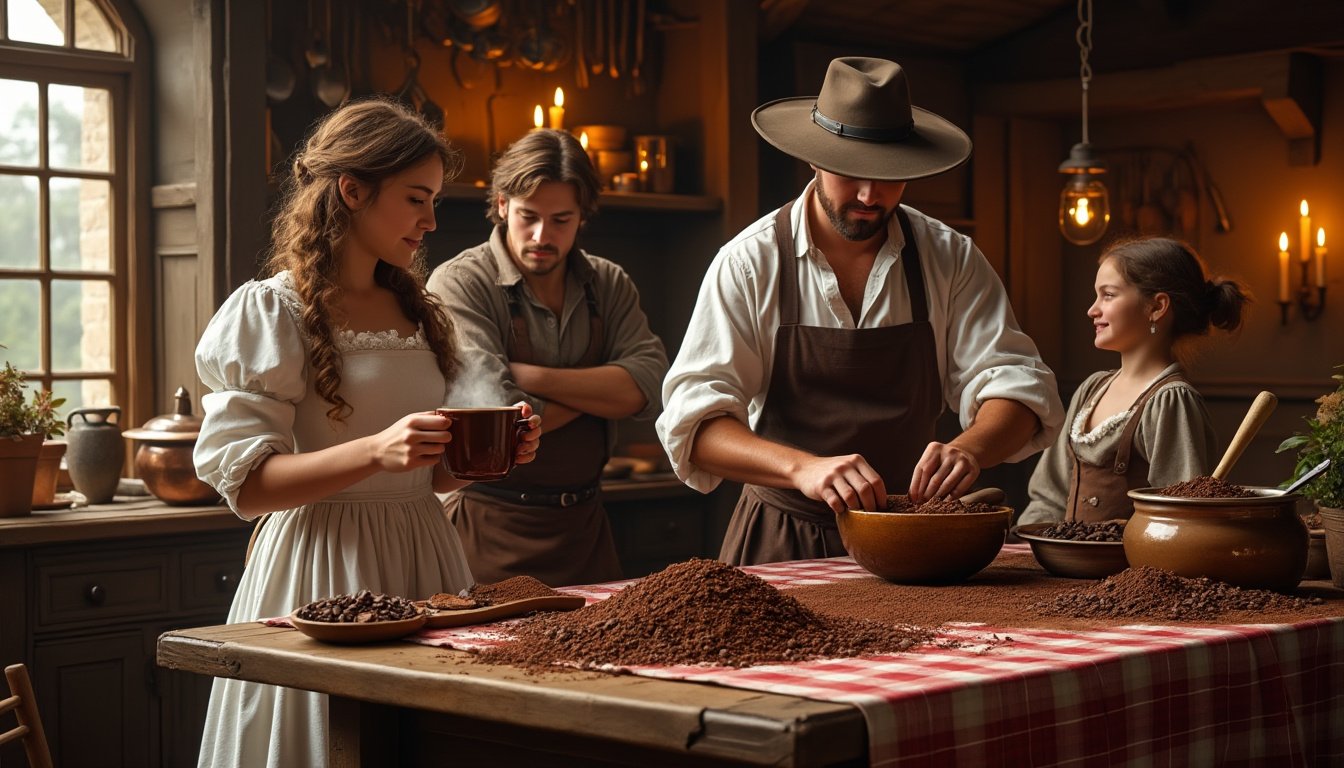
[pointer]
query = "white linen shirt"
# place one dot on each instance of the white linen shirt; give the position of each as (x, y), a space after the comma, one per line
(726, 359)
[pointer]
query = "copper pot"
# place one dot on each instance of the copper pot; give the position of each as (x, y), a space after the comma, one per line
(164, 458)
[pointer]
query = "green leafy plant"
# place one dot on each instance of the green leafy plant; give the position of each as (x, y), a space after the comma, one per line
(20, 417)
(1323, 439)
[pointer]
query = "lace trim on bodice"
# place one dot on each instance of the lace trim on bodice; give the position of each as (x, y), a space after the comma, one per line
(1098, 432)
(352, 341)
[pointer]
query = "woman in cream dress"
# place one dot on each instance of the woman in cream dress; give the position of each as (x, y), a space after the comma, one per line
(1142, 425)
(324, 378)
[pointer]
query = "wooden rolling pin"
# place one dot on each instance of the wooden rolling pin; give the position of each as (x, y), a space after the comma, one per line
(1255, 418)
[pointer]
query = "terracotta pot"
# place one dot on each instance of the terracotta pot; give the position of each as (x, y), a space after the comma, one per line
(48, 469)
(1333, 521)
(1318, 561)
(1257, 543)
(922, 549)
(18, 469)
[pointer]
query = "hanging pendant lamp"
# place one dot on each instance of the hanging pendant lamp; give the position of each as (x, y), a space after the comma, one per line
(1084, 204)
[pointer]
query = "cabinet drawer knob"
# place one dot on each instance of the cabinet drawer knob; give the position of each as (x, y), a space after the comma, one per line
(225, 582)
(97, 594)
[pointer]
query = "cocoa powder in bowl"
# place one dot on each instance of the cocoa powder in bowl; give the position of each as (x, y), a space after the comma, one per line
(1206, 488)
(903, 505)
(697, 612)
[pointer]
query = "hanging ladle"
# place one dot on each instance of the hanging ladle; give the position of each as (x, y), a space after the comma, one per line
(1255, 419)
(1310, 475)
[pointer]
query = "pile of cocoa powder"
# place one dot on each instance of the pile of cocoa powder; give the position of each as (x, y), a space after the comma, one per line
(698, 612)
(1155, 593)
(945, 506)
(508, 590)
(999, 595)
(1206, 488)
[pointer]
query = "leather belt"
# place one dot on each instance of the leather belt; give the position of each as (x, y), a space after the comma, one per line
(560, 499)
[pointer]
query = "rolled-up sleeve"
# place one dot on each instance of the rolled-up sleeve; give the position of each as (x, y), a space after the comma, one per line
(253, 359)
(989, 357)
(720, 368)
(633, 345)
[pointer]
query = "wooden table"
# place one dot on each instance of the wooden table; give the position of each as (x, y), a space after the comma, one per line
(427, 704)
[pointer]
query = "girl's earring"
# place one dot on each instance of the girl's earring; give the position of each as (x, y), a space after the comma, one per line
(1152, 328)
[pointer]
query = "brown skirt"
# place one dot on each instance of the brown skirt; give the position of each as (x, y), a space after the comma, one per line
(762, 533)
(559, 547)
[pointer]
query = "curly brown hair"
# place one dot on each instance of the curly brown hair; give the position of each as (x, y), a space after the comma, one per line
(368, 140)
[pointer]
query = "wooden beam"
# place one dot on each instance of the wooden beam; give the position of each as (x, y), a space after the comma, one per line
(1287, 84)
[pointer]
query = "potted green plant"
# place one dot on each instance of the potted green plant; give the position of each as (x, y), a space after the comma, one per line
(24, 426)
(1324, 439)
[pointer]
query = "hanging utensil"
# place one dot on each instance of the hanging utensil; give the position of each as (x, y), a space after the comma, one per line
(331, 85)
(625, 38)
(279, 75)
(599, 63)
(318, 53)
(1256, 417)
(612, 68)
(580, 47)
(636, 76)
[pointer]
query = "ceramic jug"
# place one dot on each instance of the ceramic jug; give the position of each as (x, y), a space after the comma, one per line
(96, 451)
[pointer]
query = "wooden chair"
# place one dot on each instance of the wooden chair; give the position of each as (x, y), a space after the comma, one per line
(29, 729)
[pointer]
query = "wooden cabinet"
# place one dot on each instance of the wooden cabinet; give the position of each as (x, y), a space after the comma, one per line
(86, 614)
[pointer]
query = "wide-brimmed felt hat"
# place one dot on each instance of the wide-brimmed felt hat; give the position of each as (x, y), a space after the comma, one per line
(862, 125)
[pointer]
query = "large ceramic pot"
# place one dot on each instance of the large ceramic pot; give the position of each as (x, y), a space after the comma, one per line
(1333, 521)
(1258, 542)
(164, 459)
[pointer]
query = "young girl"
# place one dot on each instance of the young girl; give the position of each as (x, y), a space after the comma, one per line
(324, 377)
(1143, 425)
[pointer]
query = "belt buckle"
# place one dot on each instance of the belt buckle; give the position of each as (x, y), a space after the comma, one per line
(568, 499)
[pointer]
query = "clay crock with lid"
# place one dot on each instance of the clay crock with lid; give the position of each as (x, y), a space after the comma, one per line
(164, 460)
(1256, 542)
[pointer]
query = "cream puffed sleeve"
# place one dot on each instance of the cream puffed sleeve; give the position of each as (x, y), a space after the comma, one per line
(253, 358)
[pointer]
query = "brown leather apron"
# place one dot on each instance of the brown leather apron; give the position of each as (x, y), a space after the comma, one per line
(545, 520)
(834, 391)
(1100, 492)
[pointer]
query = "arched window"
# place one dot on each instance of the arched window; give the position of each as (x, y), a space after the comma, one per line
(71, 98)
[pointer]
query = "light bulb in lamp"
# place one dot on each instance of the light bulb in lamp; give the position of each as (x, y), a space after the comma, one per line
(1084, 204)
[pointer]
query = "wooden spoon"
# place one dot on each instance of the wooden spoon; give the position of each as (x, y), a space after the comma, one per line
(1255, 418)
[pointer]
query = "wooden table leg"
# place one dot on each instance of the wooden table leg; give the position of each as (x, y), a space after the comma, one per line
(359, 733)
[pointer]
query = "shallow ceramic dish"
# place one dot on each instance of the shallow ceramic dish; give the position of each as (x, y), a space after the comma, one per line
(1073, 559)
(346, 632)
(924, 548)
(62, 501)
(1258, 542)
(489, 613)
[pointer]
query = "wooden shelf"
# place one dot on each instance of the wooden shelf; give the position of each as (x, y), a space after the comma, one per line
(635, 201)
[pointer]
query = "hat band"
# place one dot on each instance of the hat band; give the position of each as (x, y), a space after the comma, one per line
(898, 133)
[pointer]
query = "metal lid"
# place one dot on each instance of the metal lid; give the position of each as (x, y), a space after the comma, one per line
(178, 427)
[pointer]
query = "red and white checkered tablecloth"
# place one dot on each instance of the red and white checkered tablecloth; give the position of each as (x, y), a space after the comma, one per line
(1247, 695)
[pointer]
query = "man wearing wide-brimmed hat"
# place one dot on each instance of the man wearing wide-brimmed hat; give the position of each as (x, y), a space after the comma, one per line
(829, 335)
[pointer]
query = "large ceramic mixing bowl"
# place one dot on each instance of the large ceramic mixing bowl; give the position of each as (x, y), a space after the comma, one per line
(1258, 542)
(923, 548)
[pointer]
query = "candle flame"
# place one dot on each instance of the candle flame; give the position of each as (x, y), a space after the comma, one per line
(1320, 237)
(1303, 207)
(1283, 241)
(536, 116)
(643, 165)
(559, 97)
(583, 139)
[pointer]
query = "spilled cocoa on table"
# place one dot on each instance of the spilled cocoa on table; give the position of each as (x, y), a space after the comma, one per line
(1150, 593)
(698, 612)
(999, 597)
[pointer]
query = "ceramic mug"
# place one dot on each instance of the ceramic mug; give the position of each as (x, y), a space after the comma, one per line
(485, 441)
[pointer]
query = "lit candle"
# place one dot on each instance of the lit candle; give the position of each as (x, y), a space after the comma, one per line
(1305, 238)
(1283, 267)
(1320, 257)
(558, 111)
(536, 117)
(583, 142)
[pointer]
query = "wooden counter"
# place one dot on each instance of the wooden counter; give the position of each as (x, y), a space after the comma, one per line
(419, 704)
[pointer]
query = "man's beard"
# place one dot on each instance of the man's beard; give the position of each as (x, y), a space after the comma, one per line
(854, 231)
(541, 269)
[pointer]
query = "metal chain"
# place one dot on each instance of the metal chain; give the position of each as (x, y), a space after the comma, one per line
(1084, 38)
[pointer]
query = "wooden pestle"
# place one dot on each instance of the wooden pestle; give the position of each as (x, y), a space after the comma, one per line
(1256, 417)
